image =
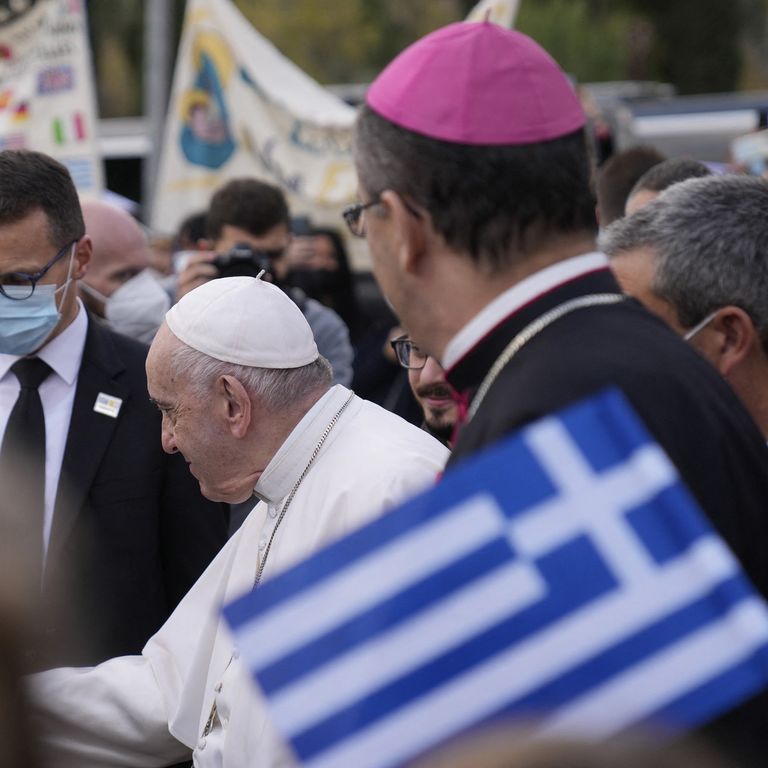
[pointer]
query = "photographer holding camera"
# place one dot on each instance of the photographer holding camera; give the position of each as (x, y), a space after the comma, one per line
(248, 228)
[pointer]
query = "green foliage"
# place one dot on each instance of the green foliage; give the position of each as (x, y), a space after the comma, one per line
(694, 44)
(349, 41)
(589, 40)
(698, 42)
(115, 28)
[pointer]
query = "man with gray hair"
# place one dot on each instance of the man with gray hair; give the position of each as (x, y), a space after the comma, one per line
(248, 402)
(696, 257)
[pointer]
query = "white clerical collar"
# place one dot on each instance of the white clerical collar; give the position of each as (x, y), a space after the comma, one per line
(63, 353)
(294, 454)
(520, 294)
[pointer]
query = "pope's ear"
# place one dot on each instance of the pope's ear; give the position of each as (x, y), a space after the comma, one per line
(411, 223)
(234, 405)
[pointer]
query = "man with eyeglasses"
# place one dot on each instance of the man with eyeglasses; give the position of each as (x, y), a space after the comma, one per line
(106, 531)
(696, 257)
(433, 393)
(248, 212)
(475, 197)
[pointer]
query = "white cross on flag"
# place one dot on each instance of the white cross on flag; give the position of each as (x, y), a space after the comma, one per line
(564, 575)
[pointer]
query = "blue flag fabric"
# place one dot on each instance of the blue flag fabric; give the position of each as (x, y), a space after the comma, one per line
(565, 575)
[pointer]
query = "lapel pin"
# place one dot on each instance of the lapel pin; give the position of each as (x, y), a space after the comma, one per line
(109, 405)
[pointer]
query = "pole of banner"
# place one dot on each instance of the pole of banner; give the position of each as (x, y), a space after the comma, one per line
(157, 37)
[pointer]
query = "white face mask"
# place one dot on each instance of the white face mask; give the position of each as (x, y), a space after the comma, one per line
(688, 335)
(137, 308)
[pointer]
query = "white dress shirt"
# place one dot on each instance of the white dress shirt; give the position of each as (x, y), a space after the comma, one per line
(57, 394)
(515, 298)
(151, 710)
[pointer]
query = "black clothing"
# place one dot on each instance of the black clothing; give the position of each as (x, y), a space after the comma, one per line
(131, 531)
(684, 402)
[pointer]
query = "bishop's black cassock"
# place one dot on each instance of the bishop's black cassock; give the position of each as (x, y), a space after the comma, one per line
(684, 402)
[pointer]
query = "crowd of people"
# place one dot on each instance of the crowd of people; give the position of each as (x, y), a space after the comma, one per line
(284, 411)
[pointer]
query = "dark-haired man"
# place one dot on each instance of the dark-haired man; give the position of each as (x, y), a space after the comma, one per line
(250, 212)
(616, 177)
(433, 393)
(113, 530)
(662, 176)
(477, 207)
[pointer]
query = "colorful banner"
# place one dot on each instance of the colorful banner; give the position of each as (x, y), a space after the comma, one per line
(240, 108)
(47, 100)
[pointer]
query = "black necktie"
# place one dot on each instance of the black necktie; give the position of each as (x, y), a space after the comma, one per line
(22, 461)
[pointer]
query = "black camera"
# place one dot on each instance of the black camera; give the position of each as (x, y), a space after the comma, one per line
(244, 261)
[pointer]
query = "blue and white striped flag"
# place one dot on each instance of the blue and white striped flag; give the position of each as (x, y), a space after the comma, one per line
(564, 575)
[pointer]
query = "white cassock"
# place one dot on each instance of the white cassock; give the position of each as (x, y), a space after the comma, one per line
(151, 710)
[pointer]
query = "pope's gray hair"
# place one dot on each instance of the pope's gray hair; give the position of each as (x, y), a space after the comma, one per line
(710, 240)
(275, 388)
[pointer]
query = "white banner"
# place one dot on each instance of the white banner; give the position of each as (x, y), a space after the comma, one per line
(47, 98)
(240, 108)
(500, 12)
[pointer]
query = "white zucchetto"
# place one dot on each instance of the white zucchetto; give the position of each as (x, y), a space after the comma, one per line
(246, 321)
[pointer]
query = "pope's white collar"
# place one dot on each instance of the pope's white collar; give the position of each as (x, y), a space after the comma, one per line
(292, 457)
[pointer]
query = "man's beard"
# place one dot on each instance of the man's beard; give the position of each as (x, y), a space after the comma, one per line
(442, 432)
(438, 422)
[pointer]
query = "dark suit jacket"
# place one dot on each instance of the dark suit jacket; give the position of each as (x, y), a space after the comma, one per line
(683, 401)
(131, 531)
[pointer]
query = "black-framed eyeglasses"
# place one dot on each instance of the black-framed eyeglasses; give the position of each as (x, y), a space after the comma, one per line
(408, 354)
(23, 282)
(353, 215)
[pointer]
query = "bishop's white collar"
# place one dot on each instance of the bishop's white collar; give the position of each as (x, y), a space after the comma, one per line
(516, 297)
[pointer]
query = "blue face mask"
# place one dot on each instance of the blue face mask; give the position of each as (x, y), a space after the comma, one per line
(25, 324)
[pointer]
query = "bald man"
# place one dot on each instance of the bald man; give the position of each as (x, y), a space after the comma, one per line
(118, 286)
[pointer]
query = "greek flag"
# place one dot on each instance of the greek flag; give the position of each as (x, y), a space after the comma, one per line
(564, 575)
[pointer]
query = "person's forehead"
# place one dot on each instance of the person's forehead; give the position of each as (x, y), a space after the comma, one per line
(25, 244)
(118, 242)
(638, 199)
(635, 269)
(133, 259)
(273, 238)
(159, 363)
